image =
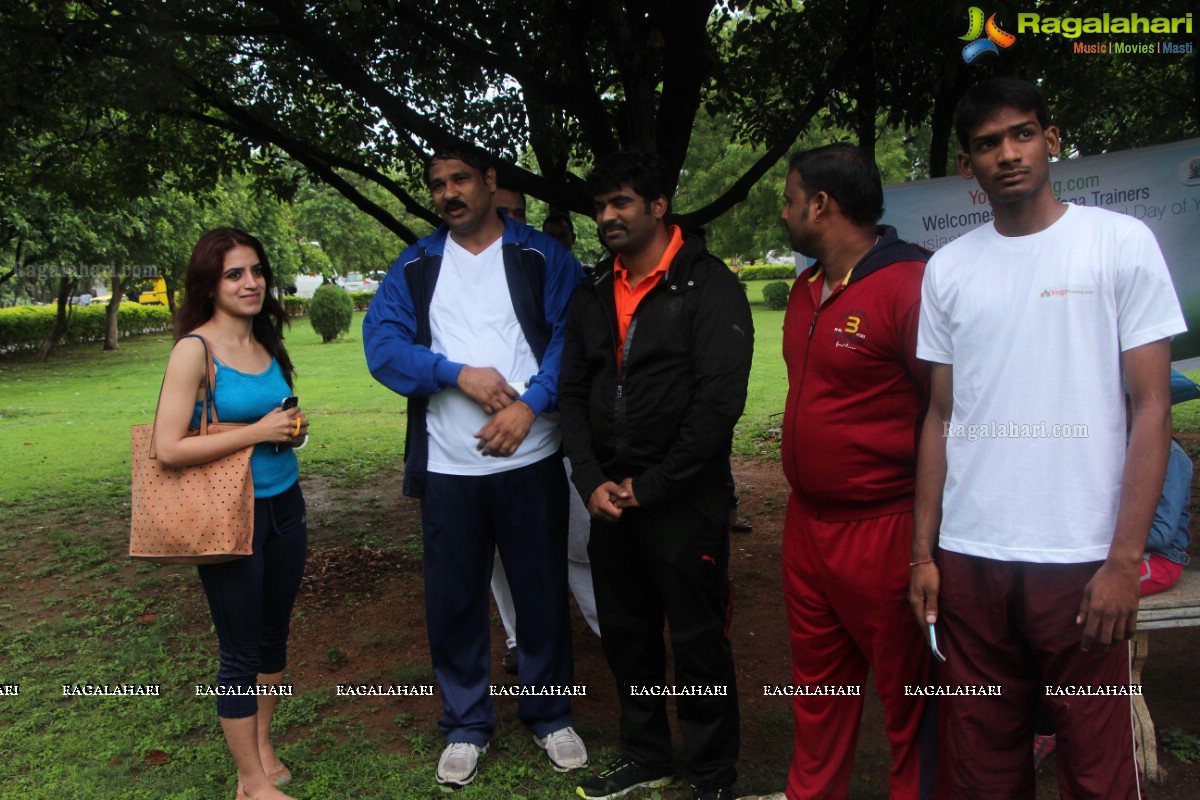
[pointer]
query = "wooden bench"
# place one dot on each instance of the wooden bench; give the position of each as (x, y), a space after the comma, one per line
(1177, 607)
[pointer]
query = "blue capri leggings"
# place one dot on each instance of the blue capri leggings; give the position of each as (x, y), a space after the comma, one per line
(251, 599)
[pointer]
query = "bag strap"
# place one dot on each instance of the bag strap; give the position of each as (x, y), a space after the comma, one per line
(209, 402)
(210, 385)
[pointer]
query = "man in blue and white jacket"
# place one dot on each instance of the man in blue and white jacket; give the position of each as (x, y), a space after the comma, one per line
(468, 325)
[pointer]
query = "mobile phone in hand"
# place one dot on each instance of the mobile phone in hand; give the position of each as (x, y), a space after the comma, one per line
(933, 644)
(291, 401)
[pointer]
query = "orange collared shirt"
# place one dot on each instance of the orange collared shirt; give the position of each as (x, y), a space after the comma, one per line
(627, 297)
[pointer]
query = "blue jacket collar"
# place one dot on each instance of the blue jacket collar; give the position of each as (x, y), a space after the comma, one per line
(514, 233)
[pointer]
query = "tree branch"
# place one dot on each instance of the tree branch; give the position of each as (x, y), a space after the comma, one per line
(243, 121)
(637, 122)
(347, 72)
(344, 70)
(740, 189)
(685, 70)
(311, 160)
(592, 115)
(534, 82)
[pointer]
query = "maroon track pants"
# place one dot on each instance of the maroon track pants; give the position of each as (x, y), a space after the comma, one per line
(1012, 624)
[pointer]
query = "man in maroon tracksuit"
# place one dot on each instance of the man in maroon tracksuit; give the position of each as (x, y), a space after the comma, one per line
(856, 397)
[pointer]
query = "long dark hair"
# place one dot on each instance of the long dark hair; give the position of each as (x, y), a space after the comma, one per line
(204, 271)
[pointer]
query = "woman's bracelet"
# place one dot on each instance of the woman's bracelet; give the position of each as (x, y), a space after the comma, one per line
(912, 564)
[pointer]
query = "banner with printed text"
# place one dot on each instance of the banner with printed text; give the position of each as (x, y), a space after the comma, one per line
(1158, 185)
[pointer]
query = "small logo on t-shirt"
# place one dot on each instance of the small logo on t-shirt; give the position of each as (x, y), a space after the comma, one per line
(851, 331)
(1069, 291)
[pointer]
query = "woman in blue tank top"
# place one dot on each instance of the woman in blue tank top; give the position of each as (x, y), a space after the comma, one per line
(228, 301)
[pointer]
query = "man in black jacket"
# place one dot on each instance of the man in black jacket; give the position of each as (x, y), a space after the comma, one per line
(655, 364)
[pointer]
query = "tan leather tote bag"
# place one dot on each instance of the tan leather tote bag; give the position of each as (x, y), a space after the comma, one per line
(202, 514)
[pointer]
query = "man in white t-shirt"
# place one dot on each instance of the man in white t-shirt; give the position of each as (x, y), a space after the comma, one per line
(468, 325)
(1031, 513)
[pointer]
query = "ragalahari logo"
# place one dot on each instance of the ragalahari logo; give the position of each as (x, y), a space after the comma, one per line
(979, 43)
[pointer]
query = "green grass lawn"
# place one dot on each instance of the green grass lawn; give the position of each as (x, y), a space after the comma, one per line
(81, 610)
(758, 431)
(73, 610)
(64, 425)
(64, 430)
(1186, 416)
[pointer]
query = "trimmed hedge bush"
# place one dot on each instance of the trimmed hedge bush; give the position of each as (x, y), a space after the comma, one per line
(330, 311)
(767, 273)
(296, 306)
(775, 295)
(26, 327)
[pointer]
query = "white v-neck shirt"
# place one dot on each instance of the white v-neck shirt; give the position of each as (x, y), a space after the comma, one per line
(472, 322)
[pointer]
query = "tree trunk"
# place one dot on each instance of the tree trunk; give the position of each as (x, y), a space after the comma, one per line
(66, 287)
(18, 267)
(953, 86)
(111, 333)
(867, 103)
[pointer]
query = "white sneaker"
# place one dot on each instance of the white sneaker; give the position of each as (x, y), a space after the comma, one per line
(459, 763)
(565, 749)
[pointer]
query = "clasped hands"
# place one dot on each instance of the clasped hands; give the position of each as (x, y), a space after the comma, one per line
(511, 418)
(610, 500)
(509, 426)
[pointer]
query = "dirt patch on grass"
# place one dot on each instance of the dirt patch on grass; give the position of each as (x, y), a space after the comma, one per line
(361, 620)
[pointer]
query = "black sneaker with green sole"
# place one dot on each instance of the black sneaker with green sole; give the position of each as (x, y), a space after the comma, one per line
(720, 793)
(620, 778)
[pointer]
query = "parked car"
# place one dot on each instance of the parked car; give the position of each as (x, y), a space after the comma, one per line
(306, 285)
(357, 282)
(155, 297)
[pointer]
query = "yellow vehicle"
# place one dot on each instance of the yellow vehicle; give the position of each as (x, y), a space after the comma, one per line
(156, 297)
